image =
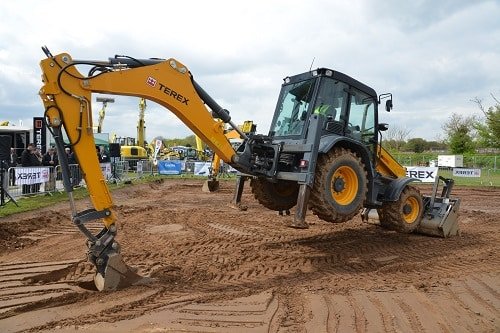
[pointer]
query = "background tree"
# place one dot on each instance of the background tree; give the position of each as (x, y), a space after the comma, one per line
(460, 133)
(489, 131)
(395, 138)
(416, 145)
(436, 145)
(188, 141)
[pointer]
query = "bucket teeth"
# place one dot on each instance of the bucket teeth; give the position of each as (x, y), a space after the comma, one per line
(117, 275)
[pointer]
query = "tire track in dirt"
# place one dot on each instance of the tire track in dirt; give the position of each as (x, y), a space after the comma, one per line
(17, 288)
(370, 254)
(407, 311)
(210, 262)
(44, 233)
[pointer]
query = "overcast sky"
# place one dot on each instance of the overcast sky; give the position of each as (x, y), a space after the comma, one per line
(433, 55)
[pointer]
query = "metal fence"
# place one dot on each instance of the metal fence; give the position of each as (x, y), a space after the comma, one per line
(486, 162)
(28, 181)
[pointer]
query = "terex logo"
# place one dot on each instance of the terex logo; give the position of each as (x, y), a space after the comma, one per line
(172, 93)
(420, 174)
(28, 175)
(151, 81)
(424, 174)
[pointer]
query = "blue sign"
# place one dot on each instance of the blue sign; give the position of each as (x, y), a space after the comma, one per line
(169, 167)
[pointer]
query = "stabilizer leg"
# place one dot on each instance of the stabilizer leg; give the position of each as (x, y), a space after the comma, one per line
(299, 220)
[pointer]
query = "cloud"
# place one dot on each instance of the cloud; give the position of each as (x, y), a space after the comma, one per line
(433, 56)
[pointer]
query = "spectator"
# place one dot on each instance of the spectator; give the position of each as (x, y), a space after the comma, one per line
(50, 159)
(74, 168)
(13, 157)
(70, 155)
(103, 155)
(38, 154)
(29, 159)
(13, 163)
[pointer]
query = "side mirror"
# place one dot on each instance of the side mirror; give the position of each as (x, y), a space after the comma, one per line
(382, 127)
(388, 105)
(388, 102)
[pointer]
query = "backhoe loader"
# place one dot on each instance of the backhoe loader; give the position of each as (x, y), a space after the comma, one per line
(322, 151)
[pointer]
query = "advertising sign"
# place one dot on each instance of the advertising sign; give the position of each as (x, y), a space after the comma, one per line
(106, 170)
(166, 167)
(473, 173)
(202, 168)
(40, 133)
(424, 174)
(29, 176)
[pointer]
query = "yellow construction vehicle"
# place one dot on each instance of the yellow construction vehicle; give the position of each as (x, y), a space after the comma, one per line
(131, 150)
(322, 150)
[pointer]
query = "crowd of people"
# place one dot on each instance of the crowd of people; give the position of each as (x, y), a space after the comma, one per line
(32, 157)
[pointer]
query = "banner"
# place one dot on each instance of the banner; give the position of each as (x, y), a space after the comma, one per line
(106, 170)
(40, 134)
(169, 167)
(459, 172)
(32, 175)
(202, 168)
(424, 174)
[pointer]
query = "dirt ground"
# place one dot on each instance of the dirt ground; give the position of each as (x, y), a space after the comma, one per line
(217, 269)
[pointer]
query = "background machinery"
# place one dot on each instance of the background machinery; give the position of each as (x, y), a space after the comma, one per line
(131, 149)
(322, 151)
(102, 112)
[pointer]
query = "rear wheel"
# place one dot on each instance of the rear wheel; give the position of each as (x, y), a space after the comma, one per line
(340, 186)
(281, 195)
(405, 214)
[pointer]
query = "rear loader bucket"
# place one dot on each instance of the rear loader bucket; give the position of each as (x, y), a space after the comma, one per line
(117, 275)
(442, 219)
(210, 186)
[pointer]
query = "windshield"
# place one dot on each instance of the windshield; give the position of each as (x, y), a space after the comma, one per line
(292, 108)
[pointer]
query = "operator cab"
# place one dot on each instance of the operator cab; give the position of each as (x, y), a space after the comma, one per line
(348, 106)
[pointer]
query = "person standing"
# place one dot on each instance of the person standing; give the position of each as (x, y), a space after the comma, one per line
(74, 168)
(29, 159)
(13, 157)
(50, 159)
(103, 155)
(12, 164)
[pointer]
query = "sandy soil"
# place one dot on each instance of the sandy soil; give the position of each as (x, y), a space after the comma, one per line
(217, 269)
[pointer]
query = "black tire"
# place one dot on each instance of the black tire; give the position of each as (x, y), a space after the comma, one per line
(405, 214)
(275, 196)
(340, 186)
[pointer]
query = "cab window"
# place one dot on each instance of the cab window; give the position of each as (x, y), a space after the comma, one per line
(330, 100)
(361, 124)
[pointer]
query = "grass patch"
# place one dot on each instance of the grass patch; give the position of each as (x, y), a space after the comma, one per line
(34, 202)
(39, 201)
(488, 177)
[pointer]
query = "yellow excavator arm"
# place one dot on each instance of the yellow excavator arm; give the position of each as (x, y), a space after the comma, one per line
(67, 95)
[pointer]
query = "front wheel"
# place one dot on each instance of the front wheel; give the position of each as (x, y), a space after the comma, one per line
(340, 186)
(405, 214)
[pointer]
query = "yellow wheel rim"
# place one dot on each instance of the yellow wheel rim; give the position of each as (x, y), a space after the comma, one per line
(414, 209)
(344, 185)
